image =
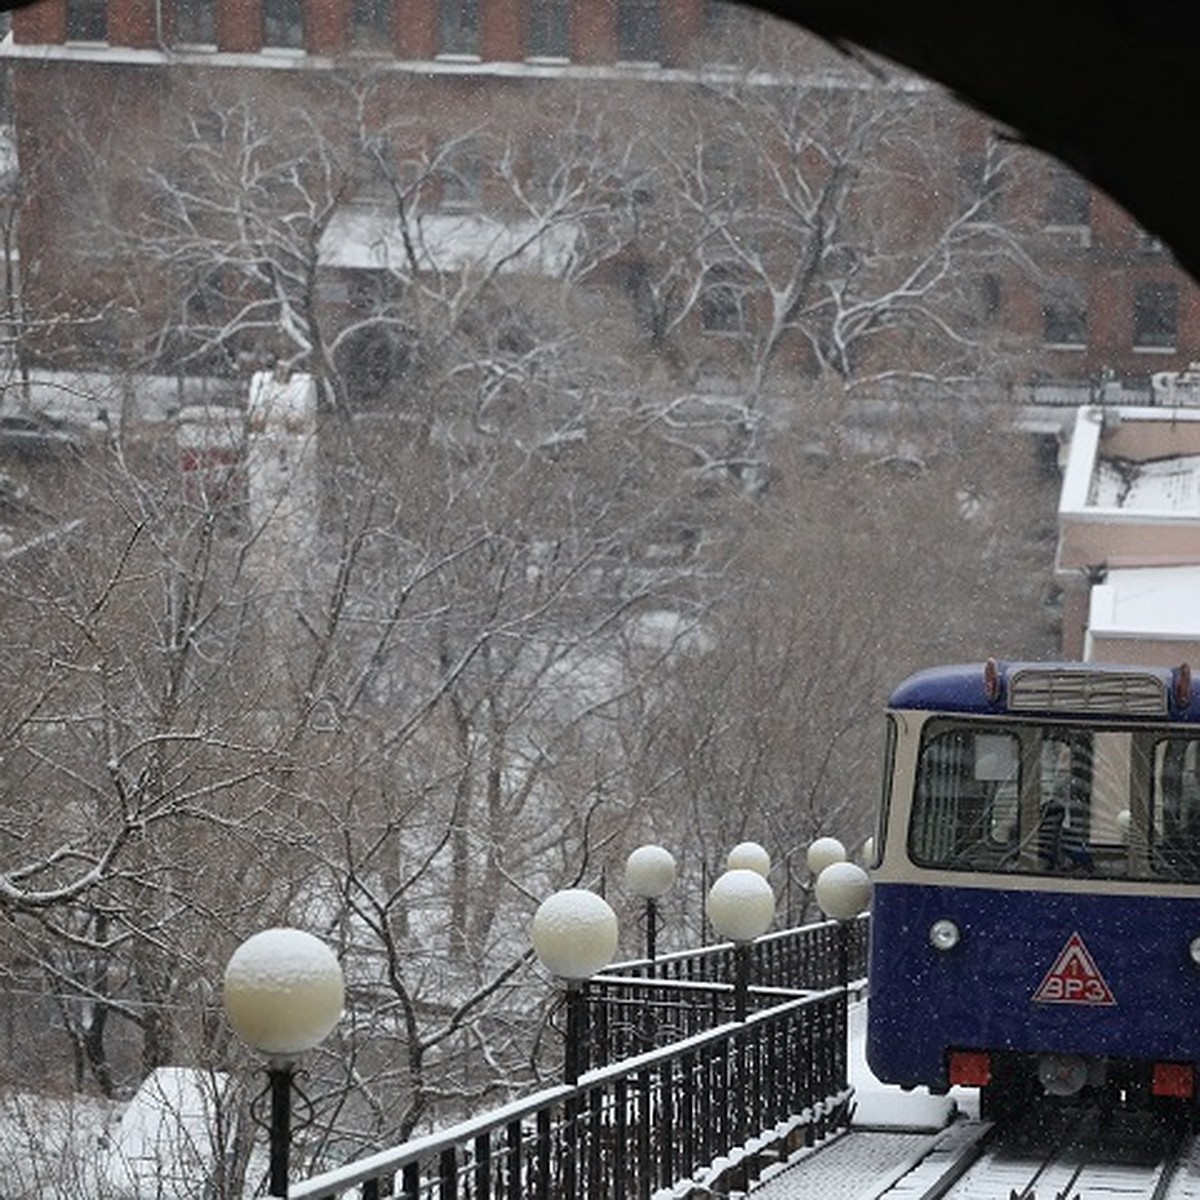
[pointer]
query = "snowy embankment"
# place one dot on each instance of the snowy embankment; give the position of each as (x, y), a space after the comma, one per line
(78, 1146)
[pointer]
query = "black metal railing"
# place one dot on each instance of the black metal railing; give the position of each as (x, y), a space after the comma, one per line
(774, 1082)
(803, 959)
(633, 1007)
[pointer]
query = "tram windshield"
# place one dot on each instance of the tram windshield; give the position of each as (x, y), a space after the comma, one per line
(1057, 800)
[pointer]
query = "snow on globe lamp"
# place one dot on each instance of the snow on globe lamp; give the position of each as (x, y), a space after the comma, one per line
(749, 856)
(741, 907)
(283, 993)
(650, 875)
(574, 934)
(824, 852)
(843, 890)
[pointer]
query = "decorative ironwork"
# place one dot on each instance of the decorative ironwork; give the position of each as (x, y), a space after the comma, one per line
(684, 1086)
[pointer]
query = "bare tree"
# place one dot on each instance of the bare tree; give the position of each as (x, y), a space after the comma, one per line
(523, 590)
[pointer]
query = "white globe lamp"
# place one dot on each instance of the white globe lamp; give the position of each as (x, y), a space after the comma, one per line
(650, 875)
(650, 872)
(574, 934)
(283, 992)
(823, 853)
(843, 890)
(749, 856)
(741, 907)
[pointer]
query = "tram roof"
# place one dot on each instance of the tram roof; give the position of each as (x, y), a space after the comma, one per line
(1055, 689)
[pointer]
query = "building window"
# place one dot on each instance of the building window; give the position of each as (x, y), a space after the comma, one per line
(991, 298)
(195, 23)
(371, 25)
(1149, 244)
(639, 31)
(549, 29)
(460, 26)
(87, 20)
(1064, 315)
(728, 173)
(462, 177)
(550, 164)
(1155, 316)
(720, 18)
(979, 185)
(721, 302)
(283, 23)
(1068, 200)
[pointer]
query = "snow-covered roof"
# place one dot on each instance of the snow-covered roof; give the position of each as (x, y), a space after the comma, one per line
(288, 401)
(367, 238)
(1133, 464)
(1164, 485)
(1157, 603)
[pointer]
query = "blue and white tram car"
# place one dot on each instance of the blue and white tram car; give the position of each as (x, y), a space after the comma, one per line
(1035, 912)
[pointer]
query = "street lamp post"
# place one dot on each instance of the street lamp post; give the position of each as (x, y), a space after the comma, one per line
(741, 906)
(843, 891)
(283, 994)
(649, 875)
(574, 934)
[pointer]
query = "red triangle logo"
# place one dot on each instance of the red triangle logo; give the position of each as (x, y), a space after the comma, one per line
(1074, 978)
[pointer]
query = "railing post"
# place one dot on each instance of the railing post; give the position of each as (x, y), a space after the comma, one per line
(741, 987)
(577, 1025)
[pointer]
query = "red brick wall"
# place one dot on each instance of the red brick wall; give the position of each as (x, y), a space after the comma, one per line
(594, 32)
(1110, 268)
(133, 23)
(416, 28)
(239, 26)
(325, 23)
(503, 33)
(682, 24)
(41, 23)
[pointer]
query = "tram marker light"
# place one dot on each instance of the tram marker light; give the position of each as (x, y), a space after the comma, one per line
(944, 935)
(1194, 950)
(970, 1068)
(1173, 1079)
(991, 681)
(1183, 685)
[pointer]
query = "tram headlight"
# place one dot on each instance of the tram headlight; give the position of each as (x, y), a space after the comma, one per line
(945, 935)
(1194, 950)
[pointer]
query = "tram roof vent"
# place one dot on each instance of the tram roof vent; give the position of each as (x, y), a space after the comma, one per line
(1131, 693)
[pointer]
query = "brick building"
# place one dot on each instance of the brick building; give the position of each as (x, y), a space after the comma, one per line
(1088, 298)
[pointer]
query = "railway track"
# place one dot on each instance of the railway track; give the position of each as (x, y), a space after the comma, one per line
(1056, 1157)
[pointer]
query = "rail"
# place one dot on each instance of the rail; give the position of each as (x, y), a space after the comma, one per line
(801, 959)
(710, 1109)
(632, 1007)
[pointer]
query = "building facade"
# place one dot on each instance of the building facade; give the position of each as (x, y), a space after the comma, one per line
(1080, 298)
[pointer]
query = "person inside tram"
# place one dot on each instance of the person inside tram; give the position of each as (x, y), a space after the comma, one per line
(1060, 844)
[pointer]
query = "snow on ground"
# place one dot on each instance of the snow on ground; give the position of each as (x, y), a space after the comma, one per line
(41, 1139)
(892, 1131)
(883, 1106)
(67, 1148)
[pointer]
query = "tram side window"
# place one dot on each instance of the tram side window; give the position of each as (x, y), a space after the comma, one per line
(965, 804)
(885, 797)
(1176, 808)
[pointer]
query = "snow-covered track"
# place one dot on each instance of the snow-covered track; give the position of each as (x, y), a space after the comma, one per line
(1083, 1157)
